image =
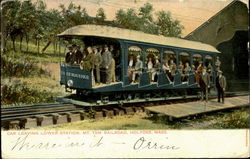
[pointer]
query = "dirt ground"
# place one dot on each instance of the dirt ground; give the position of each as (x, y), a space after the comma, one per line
(52, 68)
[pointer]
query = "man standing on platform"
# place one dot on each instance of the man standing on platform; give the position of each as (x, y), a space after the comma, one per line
(221, 85)
(204, 83)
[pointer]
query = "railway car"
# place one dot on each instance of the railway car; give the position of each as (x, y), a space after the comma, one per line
(130, 45)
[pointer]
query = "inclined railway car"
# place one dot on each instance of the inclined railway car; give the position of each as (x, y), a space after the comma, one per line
(130, 44)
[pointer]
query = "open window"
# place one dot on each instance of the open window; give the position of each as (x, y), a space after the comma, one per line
(169, 64)
(197, 66)
(208, 62)
(184, 66)
(134, 56)
(151, 55)
(152, 63)
(197, 60)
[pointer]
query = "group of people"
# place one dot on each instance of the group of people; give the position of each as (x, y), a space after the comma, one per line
(203, 78)
(203, 75)
(99, 60)
(134, 68)
(153, 67)
(170, 69)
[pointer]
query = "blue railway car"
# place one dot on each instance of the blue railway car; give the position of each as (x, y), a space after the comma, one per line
(129, 44)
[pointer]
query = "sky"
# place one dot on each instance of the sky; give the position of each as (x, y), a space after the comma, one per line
(191, 13)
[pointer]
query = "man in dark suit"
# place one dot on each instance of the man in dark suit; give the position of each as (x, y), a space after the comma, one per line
(69, 58)
(106, 64)
(204, 83)
(221, 85)
(78, 54)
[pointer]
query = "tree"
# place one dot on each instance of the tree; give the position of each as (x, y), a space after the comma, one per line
(100, 16)
(168, 26)
(127, 19)
(20, 19)
(143, 21)
(146, 12)
(146, 22)
(74, 15)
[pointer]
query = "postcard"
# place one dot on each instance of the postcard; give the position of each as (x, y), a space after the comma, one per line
(124, 79)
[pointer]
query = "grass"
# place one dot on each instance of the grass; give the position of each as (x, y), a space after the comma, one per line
(32, 54)
(221, 120)
(128, 122)
(32, 90)
(26, 76)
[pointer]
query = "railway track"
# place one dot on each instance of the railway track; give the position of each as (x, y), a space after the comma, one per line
(51, 114)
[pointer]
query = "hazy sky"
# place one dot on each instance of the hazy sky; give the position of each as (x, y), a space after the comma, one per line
(191, 13)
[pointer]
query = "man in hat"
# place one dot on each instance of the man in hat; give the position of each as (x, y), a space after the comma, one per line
(138, 68)
(77, 53)
(204, 83)
(87, 63)
(217, 63)
(97, 63)
(106, 64)
(172, 67)
(69, 58)
(156, 69)
(187, 70)
(221, 85)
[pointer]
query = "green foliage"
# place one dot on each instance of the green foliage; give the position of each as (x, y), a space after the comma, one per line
(19, 92)
(238, 119)
(32, 20)
(74, 15)
(168, 26)
(100, 15)
(19, 67)
(127, 19)
(163, 25)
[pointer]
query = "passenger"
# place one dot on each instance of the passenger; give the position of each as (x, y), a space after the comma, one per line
(84, 53)
(187, 70)
(199, 67)
(113, 64)
(69, 58)
(166, 68)
(87, 64)
(172, 69)
(111, 49)
(209, 68)
(113, 79)
(198, 71)
(78, 54)
(209, 71)
(156, 69)
(150, 67)
(181, 68)
(217, 63)
(117, 65)
(100, 49)
(106, 64)
(204, 84)
(221, 84)
(138, 68)
(130, 67)
(97, 64)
